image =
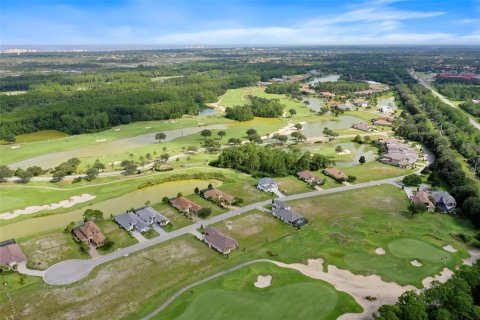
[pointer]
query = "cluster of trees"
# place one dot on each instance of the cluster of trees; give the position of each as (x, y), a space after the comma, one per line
(456, 299)
(457, 91)
(472, 108)
(283, 88)
(24, 175)
(65, 168)
(258, 107)
(268, 161)
(446, 168)
(341, 86)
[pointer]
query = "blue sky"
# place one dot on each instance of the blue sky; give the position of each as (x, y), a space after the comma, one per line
(209, 22)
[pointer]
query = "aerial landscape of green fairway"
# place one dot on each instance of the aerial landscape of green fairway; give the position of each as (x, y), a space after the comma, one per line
(234, 296)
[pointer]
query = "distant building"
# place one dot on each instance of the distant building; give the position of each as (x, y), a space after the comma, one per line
(444, 201)
(10, 255)
(363, 126)
(184, 205)
(335, 174)
(397, 154)
(267, 184)
(219, 241)
(151, 216)
(383, 121)
(283, 212)
(89, 233)
(327, 94)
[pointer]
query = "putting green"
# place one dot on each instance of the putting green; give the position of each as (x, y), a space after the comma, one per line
(234, 297)
(416, 249)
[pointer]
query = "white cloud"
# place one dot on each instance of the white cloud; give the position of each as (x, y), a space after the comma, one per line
(365, 23)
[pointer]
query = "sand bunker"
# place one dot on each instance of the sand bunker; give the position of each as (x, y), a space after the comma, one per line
(116, 129)
(343, 152)
(14, 147)
(416, 263)
(263, 281)
(148, 127)
(287, 130)
(380, 251)
(100, 140)
(62, 204)
(449, 248)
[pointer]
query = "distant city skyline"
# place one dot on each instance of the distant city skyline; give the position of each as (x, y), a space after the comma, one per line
(174, 24)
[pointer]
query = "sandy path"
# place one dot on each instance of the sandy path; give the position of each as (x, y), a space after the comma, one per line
(62, 204)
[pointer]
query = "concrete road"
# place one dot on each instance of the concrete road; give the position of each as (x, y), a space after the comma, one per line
(424, 83)
(70, 271)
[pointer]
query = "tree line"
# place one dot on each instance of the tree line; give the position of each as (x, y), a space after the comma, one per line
(269, 161)
(446, 169)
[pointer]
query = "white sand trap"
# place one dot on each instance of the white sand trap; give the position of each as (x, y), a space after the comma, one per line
(100, 140)
(263, 281)
(15, 147)
(344, 151)
(416, 263)
(114, 163)
(62, 204)
(148, 127)
(380, 251)
(116, 129)
(449, 248)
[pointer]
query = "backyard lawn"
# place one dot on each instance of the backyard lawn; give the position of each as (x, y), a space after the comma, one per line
(292, 185)
(291, 295)
(46, 249)
(177, 219)
(216, 210)
(375, 170)
(120, 237)
(245, 190)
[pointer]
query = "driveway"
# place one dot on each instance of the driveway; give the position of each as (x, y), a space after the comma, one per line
(70, 271)
(137, 235)
(278, 193)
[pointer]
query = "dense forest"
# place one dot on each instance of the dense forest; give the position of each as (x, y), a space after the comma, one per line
(283, 88)
(456, 91)
(471, 108)
(341, 86)
(456, 299)
(269, 161)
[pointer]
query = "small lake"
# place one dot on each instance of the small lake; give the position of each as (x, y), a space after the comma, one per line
(315, 103)
(357, 150)
(134, 199)
(101, 148)
(315, 129)
(208, 112)
(328, 78)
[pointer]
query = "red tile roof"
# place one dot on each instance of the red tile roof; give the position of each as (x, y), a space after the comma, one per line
(218, 195)
(182, 203)
(11, 254)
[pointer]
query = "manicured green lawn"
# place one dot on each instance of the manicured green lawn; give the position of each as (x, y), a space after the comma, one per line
(245, 190)
(46, 249)
(177, 220)
(150, 234)
(375, 171)
(292, 185)
(120, 237)
(291, 295)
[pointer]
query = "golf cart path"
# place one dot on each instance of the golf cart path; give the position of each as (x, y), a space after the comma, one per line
(441, 97)
(70, 271)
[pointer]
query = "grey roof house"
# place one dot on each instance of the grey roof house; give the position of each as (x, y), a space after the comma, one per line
(267, 184)
(219, 241)
(281, 210)
(130, 221)
(444, 201)
(151, 216)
